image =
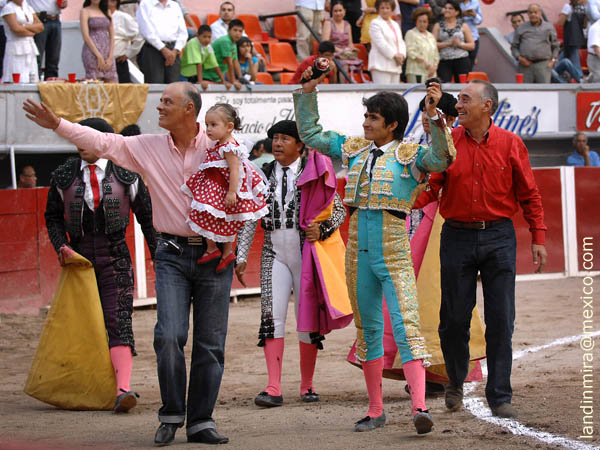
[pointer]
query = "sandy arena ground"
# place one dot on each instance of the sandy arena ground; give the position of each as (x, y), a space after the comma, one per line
(547, 388)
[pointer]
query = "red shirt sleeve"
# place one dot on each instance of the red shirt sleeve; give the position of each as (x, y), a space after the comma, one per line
(527, 192)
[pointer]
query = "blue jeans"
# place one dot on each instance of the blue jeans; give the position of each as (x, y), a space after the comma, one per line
(492, 253)
(48, 42)
(566, 65)
(180, 283)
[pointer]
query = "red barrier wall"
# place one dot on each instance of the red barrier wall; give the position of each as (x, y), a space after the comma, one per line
(548, 181)
(29, 268)
(587, 193)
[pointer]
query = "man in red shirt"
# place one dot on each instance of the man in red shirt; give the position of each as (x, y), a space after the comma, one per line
(326, 50)
(481, 191)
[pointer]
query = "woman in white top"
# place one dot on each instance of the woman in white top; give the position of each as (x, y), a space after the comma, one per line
(20, 55)
(387, 46)
(421, 47)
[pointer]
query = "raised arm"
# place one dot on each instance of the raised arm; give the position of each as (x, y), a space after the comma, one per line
(307, 118)
(104, 145)
(442, 152)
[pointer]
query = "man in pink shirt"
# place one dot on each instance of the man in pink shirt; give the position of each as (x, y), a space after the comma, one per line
(165, 162)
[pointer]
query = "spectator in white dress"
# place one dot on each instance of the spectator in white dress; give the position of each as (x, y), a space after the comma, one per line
(20, 56)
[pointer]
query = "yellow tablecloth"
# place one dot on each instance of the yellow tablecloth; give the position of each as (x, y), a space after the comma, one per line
(118, 104)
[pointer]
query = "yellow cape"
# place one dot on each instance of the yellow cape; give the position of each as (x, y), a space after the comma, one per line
(72, 368)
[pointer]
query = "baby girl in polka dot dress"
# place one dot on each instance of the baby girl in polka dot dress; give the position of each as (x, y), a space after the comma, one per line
(226, 190)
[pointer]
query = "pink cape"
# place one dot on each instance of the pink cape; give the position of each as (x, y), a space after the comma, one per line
(324, 304)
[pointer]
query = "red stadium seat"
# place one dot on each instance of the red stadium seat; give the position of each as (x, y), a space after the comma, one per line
(477, 76)
(210, 18)
(282, 54)
(284, 28)
(363, 54)
(264, 78)
(559, 32)
(196, 21)
(253, 29)
(270, 67)
(583, 60)
(285, 77)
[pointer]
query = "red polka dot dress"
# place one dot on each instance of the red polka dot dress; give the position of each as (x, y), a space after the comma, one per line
(208, 186)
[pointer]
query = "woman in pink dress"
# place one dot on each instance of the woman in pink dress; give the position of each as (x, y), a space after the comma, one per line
(227, 189)
(98, 37)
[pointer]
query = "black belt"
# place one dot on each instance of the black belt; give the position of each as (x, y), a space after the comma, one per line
(479, 225)
(184, 240)
(399, 214)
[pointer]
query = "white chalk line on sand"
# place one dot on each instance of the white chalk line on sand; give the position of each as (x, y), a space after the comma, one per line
(476, 406)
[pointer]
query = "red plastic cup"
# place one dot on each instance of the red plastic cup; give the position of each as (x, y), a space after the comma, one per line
(16, 77)
(519, 77)
(72, 77)
(265, 36)
(462, 78)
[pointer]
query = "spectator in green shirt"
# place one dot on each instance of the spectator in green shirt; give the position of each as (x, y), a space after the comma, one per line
(226, 53)
(199, 63)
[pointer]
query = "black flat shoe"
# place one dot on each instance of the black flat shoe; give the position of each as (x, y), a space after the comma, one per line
(125, 401)
(208, 436)
(268, 400)
(165, 434)
(310, 397)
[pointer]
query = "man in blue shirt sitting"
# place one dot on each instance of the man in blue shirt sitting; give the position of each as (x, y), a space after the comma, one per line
(583, 156)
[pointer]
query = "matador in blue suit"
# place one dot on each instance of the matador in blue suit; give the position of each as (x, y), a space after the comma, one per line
(385, 176)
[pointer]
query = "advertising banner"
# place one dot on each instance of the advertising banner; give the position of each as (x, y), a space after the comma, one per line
(527, 114)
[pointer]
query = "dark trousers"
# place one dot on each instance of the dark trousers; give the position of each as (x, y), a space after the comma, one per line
(492, 253)
(114, 275)
(152, 65)
(123, 72)
(2, 47)
(48, 43)
(449, 68)
(473, 55)
(180, 283)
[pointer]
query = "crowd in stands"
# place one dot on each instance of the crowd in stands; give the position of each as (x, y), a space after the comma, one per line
(386, 41)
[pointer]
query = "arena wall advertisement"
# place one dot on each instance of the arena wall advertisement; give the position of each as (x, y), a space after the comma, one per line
(528, 114)
(588, 111)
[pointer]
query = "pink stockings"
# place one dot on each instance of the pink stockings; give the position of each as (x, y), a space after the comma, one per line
(415, 376)
(414, 372)
(274, 355)
(122, 361)
(373, 371)
(308, 359)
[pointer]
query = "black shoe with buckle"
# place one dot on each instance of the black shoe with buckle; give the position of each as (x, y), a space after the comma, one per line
(310, 396)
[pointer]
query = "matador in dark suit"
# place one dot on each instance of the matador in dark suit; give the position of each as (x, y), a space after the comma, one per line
(88, 212)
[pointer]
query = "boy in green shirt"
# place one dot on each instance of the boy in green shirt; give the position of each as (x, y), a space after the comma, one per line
(226, 53)
(198, 62)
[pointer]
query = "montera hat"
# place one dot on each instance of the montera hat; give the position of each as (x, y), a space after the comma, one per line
(287, 127)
